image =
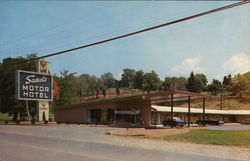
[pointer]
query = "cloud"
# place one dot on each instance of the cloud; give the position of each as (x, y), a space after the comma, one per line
(187, 66)
(239, 63)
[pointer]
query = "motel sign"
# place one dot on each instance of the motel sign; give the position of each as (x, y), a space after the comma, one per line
(33, 86)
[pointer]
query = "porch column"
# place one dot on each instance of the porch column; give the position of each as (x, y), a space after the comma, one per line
(146, 114)
(203, 114)
(159, 118)
(189, 102)
(172, 106)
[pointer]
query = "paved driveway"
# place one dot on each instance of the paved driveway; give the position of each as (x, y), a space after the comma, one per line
(64, 143)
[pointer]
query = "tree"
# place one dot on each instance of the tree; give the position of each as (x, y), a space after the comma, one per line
(228, 83)
(241, 84)
(138, 80)
(191, 84)
(108, 80)
(117, 89)
(215, 87)
(104, 92)
(179, 83)
(8, 103)
(127, 78)
(93, 84)
(68, 85)
(201, 79)
(151, 82)
(196, 83)
(168, 84)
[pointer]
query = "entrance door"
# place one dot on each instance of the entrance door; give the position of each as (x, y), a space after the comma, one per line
(88, 114)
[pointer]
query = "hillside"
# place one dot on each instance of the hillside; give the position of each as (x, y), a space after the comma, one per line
(228, 103)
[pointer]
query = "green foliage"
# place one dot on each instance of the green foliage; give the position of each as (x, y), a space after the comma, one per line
(5, 116)
(68, 86)
(8, 103)
(220, 137)
(104, 92)
(196, 83)
(228, 83)
(117, 91)
(215, 87)
(151, 82)
(139, 79)
(108, 80)
(127, 78)
(168, 84)
(241, 83)
(201, 80)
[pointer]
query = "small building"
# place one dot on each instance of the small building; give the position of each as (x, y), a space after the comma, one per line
(143, 110)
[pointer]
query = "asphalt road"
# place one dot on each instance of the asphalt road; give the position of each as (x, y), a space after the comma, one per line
(61, 143)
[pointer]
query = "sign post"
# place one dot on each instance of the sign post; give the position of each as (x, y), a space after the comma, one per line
(42, 107)
(27, 106)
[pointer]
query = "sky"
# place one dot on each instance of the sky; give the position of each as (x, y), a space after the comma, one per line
(215, 45)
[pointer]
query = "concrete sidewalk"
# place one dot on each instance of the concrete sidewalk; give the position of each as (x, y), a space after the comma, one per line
(157, 132)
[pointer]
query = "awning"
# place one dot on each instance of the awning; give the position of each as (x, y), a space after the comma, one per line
(200, 111)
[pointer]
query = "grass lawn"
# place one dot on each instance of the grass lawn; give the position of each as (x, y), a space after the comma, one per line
(4, 117)
(219, 137)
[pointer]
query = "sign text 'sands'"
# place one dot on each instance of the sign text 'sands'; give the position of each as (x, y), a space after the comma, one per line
(33, 86)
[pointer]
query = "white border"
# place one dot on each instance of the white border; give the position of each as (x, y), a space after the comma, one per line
(17, 83)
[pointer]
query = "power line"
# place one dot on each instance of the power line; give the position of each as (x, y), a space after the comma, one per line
(144, 30)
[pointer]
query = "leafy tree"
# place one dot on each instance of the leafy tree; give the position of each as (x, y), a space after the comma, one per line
(151, 82)
(128, 77)
(139, 79)
(179, 83)
(88, 85)
(93, 84)
(228, 83)
(201, 79)
(8, 103)
(215, 87)
(83, 82)
(104, 92)
(191, 84)
(168, 84)
(196, 83)
(171, 83)
(117, 89)
(241, 84)
(68, 88)
(227, 80)
(108, 79)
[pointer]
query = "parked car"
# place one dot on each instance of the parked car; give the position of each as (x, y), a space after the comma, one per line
(210, 122)
(176, 122)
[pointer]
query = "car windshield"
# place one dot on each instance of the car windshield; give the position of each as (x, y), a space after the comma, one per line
(177, 119)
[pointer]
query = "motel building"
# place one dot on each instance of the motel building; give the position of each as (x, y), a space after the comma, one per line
(145, 110)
